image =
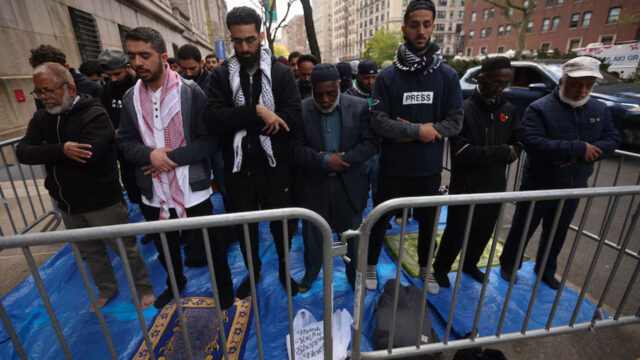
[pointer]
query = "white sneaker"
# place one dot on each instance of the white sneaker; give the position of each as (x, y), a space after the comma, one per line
(371, 278)
(432, 285)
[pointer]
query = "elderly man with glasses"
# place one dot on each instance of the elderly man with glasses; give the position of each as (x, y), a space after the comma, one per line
(73, 137)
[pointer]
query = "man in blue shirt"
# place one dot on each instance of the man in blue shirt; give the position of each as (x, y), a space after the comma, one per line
(416, 102)
(332, 142)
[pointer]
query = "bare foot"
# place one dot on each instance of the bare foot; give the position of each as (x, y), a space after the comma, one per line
(101, 302)
(147, 300)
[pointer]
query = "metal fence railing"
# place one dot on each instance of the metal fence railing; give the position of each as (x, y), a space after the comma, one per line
(26, 241)
(613, 195)
(25, 203)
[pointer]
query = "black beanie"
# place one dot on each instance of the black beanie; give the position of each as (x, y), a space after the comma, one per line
(324, 72)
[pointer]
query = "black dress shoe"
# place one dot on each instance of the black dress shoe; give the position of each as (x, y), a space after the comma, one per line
(442, 279)
(551, 281)
(506, 276)
(475, 274)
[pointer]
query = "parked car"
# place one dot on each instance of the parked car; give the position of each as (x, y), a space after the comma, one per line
(533, 80)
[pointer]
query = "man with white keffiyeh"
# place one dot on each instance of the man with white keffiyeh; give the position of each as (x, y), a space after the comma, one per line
(162, 131)
(417, 103)
(254, 98)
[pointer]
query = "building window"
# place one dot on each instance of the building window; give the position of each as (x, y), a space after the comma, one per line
(489, 32)
(607, 39)
(438, 39)
(500, 30)
(469, 50)
(575, 20)
(382, 17)
(471, 33)
(507, 30)
(450, 26)
(482, 33)
(451, 14)
(439, 27)
(549, 3)
(491, 12)
(123, 30)
(560, 2)
(460, 15)
(545, 24)
(529, 26)
(586, 19)
(473, 16)
(86, 31)
(485, 14)
(574, 43)
(544, 48)
(500, 49)
(614, 15)
(483, 50)
(441, 14)
(555, 23)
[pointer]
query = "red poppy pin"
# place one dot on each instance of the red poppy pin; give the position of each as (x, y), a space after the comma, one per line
(503, 117)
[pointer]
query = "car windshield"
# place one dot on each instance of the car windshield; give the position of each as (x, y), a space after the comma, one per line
(556, 71)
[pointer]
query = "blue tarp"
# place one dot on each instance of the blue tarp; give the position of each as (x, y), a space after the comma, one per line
(70, 301)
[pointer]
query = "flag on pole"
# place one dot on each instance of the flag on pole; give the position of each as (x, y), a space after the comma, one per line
(270, 7)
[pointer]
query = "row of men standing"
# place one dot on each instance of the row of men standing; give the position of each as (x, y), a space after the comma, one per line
(168, 128)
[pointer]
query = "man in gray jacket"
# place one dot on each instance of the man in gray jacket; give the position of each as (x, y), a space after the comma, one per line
(162, 132)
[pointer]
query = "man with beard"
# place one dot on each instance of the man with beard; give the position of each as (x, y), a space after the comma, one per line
(191, 63)
(366, 77)
(211, 62)
(417, 102)
(163, 133)
(332, 143)
(305, 65)
(293, 63)
(115, 66)
(253, 99)
(73, 137)
(490, 139)
(564, 133)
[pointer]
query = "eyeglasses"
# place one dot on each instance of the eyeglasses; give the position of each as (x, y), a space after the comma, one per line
(499, 84)
(250, 40)
(40, 93)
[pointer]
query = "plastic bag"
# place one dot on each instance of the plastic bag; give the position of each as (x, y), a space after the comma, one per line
(309, 335)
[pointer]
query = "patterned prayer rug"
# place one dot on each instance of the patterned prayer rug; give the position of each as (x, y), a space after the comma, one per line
(167, 339)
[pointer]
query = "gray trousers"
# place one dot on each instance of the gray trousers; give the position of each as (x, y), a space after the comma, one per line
(341, 216)
(95, 253)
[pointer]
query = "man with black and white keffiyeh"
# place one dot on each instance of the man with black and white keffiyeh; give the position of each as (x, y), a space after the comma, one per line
(417, 103)
(254, 98)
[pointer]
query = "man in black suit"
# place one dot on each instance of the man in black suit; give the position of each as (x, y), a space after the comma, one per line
(332, 142)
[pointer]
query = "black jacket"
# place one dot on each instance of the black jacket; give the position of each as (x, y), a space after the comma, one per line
(305, 92)
(480, 152)
(112, 95)
(78, 188)
(228, 119)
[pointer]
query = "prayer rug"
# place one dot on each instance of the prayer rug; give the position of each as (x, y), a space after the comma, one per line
(200, 314)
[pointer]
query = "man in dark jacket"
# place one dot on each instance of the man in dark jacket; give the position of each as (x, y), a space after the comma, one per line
(417, 102)
(115, 66)
(252, 102)
(73, 137)
(366, 77)
(48, 53)
(163, 133)
(191, 63)
(564, 133)
(305, 66)
(332, 143)
(489, 140)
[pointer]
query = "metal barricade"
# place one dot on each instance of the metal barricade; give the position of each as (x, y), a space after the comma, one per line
(162, 227)
(614, 194)
(26, 204)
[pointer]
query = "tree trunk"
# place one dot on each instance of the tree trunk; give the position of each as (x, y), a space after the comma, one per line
(311, 30)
